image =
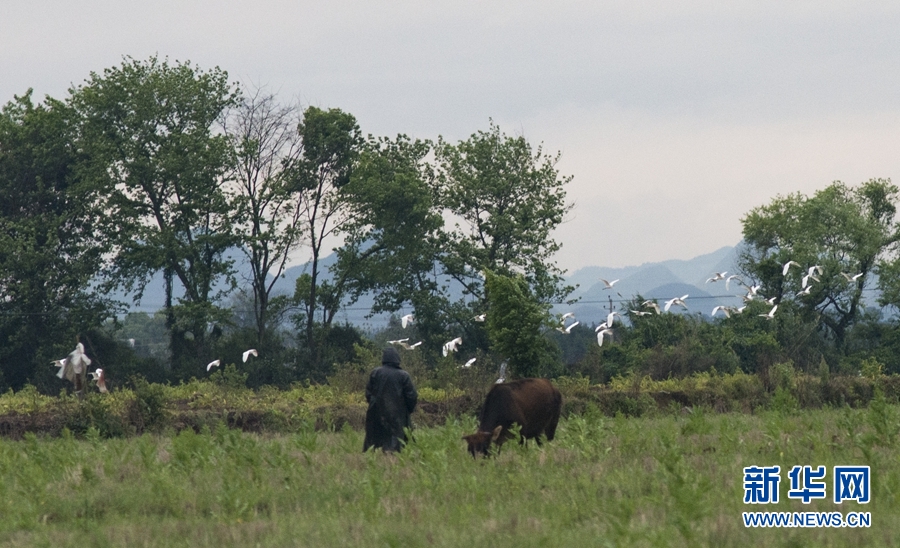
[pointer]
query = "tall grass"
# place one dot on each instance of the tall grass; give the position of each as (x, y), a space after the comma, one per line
(673, 480)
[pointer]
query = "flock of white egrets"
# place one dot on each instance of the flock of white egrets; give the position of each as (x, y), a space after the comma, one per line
(74, 366)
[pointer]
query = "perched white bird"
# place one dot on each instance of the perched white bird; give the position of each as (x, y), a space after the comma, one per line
(480, 317)
(732, 277)
(771, 313)
(100, 378)
(567, 330)
(724, 309)
(677, 300)
(468, 363)
(851, 278)
(450, 346)
(601, 333)
(608, 285)
(247, 353)
(651, 304)
(214, 363)
(502, 376)
(787, 266)
(717, 276)
(407, 319)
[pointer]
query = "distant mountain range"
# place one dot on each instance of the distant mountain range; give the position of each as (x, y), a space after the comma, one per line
(661, 281)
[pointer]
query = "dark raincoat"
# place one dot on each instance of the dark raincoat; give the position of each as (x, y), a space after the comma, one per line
(391, 397)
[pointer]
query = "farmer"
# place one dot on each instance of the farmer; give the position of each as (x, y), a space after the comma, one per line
(391, 397)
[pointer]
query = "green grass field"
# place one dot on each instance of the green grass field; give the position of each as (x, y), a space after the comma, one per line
(659, 480)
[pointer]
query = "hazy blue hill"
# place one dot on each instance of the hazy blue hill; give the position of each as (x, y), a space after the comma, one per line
(661, 280)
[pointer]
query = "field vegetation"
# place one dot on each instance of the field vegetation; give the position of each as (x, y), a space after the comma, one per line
(663, 479)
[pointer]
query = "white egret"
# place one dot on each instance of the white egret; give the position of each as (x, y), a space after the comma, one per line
(214, 363)
(450, 346)
(502, 376)
(247, 353)
(732, 277)
(610, 317)
(609, 285)
(480, 317)
(677, 300)
(788, 265)
(61, 364)
(601, 333)
(851, 278)
(651, 304)
(100, 378)
(717, 276)
(724, 309)
(771, 313)
(469, 363)
(407, 319)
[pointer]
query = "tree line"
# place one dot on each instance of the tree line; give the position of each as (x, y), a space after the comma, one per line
(156, 167)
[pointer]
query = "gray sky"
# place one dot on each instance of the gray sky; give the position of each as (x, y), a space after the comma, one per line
(675, 120)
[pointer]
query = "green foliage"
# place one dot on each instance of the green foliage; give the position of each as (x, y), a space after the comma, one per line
(839, 229)
(49, 243)
(514, 326)
(602, 481)
(229, 377)
(510, 197)
(147, 410)
(154, 167)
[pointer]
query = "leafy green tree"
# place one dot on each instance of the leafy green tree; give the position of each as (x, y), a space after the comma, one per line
(847, 233)
(330, 141)
(268, 209)
(515, 323)
(49, 247)
(392, 235)
(507, 199)
(156, 167)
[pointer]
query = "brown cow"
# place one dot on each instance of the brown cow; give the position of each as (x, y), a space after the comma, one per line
(533, 404)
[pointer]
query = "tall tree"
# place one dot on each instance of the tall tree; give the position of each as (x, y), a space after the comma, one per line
(330, 140)
(269, 209)
(506, 198)
(392, 236)
(49, 248)
(156, 167)
(838, 238)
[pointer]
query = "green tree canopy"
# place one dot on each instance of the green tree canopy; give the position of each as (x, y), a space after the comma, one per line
(515, 321)
(156, 167)
(49, 247)
(839, 237)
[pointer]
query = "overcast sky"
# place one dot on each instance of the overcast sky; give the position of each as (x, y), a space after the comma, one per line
(675, 120)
